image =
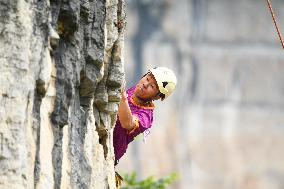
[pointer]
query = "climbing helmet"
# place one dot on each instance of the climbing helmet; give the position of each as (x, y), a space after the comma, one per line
(166, 80)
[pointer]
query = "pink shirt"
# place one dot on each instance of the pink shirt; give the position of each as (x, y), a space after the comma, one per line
(122, 137)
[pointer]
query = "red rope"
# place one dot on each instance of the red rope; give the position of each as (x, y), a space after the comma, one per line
(275, 23)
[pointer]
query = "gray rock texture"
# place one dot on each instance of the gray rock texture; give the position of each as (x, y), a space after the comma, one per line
(61, 71)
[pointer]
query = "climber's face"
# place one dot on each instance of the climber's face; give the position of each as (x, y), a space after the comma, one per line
(147, 88)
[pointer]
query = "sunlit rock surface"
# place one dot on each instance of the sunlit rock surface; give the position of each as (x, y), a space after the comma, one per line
(61, 70)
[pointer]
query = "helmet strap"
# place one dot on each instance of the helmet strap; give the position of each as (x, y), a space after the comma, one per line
(147, 101)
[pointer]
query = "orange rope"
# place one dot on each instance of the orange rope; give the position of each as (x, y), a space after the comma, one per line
(275, 23)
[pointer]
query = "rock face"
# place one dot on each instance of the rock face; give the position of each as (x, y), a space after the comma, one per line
(223, 128)
(61, 72)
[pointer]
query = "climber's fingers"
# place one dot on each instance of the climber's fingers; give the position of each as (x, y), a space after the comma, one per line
(123, 84)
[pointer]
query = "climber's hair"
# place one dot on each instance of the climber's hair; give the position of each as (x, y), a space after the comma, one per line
(163, 96)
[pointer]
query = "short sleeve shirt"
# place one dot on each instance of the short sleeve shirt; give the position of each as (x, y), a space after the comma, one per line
(121, 136)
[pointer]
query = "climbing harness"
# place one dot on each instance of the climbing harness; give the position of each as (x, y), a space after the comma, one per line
(275, 23)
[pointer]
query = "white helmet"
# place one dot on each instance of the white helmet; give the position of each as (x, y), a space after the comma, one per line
(166, 80)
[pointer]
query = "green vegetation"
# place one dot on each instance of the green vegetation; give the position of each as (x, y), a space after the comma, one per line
(130, 182)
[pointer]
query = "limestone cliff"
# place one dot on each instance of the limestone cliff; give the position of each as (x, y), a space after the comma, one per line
(61, 71)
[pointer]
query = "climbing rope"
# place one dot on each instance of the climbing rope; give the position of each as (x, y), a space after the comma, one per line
(275, 23)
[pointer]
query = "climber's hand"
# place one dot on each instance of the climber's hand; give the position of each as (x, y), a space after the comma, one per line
(123, 92)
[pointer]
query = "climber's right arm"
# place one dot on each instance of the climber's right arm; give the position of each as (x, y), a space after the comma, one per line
(127, 120)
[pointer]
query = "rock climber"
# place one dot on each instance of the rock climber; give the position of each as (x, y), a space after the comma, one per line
(135, 112)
